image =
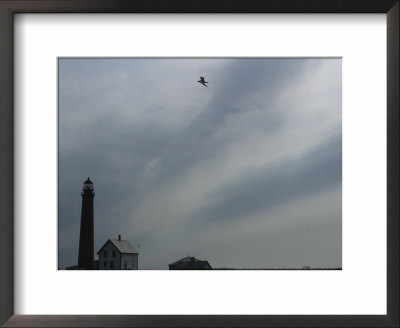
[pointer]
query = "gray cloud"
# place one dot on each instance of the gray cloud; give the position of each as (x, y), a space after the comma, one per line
(261, 188)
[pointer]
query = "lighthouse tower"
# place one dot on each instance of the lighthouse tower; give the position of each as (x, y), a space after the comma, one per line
(86, 238)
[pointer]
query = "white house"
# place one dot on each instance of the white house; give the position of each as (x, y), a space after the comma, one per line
(117, 254)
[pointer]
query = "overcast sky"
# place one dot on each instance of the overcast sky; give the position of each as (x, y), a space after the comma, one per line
(246, 173)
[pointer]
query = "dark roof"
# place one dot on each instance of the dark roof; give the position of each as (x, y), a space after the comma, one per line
(88, 181)
(190, 263)
(123, 246)
(186, 259)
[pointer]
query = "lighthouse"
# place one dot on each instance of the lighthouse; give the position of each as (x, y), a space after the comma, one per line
(86, 238)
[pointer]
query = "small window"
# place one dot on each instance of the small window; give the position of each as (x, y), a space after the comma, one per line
(133, 264)
(111, 264)
(105, 263)
(113, 253)
(126, 265)
(105, 253)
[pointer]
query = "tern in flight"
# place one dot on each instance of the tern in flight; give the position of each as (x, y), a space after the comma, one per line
(202, 81)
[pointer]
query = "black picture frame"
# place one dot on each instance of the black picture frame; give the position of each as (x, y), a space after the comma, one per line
(10, 7)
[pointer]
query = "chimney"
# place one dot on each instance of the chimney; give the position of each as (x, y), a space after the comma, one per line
(119, 237)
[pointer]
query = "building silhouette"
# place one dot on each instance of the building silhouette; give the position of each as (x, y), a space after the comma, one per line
(86, 237)
(190, 263)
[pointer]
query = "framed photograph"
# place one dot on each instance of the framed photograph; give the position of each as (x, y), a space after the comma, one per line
(242, 154)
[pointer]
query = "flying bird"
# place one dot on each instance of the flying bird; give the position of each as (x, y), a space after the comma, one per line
(202, 81)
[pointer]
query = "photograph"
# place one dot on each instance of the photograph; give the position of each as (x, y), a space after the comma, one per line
(199, 163)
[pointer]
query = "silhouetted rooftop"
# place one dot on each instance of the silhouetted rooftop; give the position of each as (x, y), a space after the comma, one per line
(190, 263)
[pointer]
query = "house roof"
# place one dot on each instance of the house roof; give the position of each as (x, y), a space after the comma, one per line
(186, 260)
(123, 246)
(191, 263)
